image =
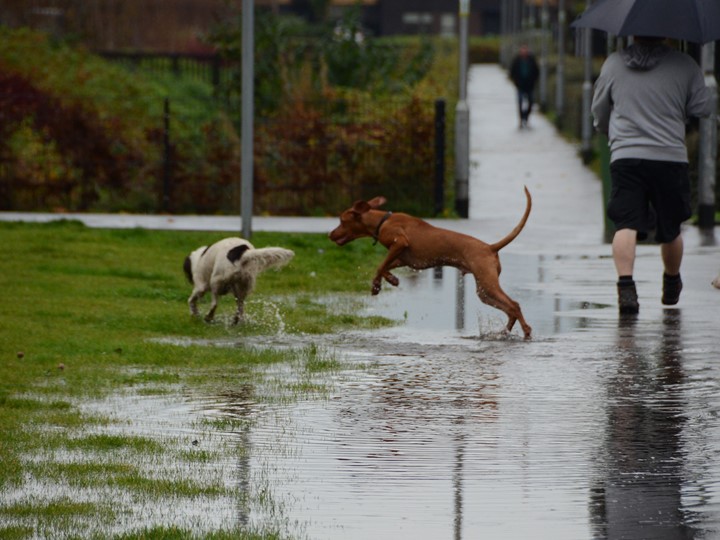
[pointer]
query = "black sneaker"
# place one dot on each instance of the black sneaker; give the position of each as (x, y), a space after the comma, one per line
(672, 285)
(627, 298)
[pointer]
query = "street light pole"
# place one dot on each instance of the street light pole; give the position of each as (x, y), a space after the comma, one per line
(560, 74)
(586, 146)
(544, 23)
(708, 146)
(462, 119)
(504, 32)
(247, 114)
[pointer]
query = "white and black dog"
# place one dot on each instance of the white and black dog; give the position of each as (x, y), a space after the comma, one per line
(231, 264)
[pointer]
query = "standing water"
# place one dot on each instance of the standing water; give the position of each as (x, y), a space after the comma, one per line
(599, 427)
(443, 426)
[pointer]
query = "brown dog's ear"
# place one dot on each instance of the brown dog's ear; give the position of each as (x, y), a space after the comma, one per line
(360, 207)
(377, 202)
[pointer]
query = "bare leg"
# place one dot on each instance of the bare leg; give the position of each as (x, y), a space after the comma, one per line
(623, 248)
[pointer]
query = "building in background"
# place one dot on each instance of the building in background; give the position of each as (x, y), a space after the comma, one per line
(178, 25)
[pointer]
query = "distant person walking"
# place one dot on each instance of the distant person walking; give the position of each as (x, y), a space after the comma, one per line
(524, 74)
(642, 100)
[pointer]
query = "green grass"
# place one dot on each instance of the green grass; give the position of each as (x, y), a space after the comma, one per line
(91, 314)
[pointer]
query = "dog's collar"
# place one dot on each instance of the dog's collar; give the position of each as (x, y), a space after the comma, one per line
(377, 230)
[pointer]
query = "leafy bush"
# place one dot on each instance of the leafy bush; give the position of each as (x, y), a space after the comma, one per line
(485, 50)
(311, 161)
(333, 124)
(80, 133)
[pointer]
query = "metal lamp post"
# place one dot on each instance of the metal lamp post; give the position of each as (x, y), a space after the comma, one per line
(586, 146)
(560, 74)
(708, 146)
(462, 120)
(544, 23)
(247, 113)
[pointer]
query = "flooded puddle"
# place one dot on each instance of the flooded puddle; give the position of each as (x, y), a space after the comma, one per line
(442, 427)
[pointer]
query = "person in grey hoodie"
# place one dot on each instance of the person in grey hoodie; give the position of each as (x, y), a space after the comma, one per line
(642, 100)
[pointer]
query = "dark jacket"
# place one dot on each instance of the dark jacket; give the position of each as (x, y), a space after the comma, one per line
(524, 72)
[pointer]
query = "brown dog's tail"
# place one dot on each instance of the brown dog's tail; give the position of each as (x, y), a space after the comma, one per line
(497, 246)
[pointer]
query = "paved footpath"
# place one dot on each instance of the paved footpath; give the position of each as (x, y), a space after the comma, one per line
(567, 196)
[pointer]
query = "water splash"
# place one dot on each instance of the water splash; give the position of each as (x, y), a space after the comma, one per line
(267, 316)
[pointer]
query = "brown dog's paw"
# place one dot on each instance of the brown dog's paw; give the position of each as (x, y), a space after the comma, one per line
(375, 288)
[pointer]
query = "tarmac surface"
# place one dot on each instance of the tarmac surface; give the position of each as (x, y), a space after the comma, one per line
(598, 427)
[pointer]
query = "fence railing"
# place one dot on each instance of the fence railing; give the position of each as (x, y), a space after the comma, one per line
(206, 67)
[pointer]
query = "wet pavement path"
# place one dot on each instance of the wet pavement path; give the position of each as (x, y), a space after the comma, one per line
(443, 427)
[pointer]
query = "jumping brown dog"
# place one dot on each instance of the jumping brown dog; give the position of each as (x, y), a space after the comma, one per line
(415, 243)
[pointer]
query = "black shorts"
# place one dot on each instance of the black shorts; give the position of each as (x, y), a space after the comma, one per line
(641, 187)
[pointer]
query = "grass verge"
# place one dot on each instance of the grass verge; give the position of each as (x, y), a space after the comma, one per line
(87, 340)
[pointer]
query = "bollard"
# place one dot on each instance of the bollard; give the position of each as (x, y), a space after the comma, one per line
(439, 156)
(462, 159)
(604, 153)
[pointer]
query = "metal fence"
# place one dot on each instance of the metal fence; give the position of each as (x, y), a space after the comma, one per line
(200, 66)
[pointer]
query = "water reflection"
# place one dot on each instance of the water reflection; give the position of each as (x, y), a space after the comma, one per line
(458, 484)
(459, 294)
(638, 490)
(236, 407)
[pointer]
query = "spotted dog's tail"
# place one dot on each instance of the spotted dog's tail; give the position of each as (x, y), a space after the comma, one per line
(261, 259)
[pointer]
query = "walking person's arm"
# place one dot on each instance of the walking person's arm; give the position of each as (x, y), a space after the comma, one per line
(602, 102)
(699, 102)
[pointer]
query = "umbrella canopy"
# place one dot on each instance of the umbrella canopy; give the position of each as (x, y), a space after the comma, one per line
(689, 20)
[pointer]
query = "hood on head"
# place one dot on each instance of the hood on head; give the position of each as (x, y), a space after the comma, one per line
(644, 56)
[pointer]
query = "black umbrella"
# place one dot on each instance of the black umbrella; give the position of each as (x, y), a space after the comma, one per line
(689, 20)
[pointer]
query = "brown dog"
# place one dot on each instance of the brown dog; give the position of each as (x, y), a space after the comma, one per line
(415, 243)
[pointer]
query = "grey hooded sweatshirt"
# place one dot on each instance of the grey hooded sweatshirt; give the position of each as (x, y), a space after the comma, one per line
(643, 99)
